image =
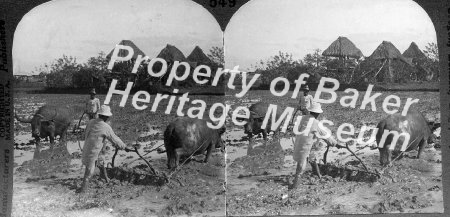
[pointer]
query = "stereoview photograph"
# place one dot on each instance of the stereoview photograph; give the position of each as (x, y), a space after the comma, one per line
(344, 115)
(112, 102)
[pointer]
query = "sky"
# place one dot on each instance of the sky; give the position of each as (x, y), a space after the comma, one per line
(262, 28)
(257, 31)
(83, 28)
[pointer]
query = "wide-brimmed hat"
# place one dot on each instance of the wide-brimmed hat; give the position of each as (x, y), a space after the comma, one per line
(304, 87)
(105, 111)
(92, 91)
(315, 107)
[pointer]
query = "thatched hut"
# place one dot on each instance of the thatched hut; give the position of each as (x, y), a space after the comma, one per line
(124, 53)
(413, 53)
(171, 54)
(348, 55)
(121, 70)
(199, 57)
(387, 52)
(343, 48)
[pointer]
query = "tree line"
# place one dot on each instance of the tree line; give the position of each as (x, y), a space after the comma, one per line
(66, 72)
(354, 71)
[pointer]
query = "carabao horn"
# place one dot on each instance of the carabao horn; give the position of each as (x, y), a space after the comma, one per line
(21, 119)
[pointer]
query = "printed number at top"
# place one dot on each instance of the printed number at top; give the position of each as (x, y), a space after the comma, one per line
(223, 3)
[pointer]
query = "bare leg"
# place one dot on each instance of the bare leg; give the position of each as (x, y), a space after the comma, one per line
(103, 171)
(87, 176)
(298, 173)
(315, 168)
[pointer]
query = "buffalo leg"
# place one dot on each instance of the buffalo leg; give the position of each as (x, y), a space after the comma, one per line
(264, 132)
(276, 134)
(208, 153)
(389, 156)
(37, 140)
(250, 140)
(170, 158)
(178, 153)
(385, 156)
(63, 136)
(52, 141)
(422, 145)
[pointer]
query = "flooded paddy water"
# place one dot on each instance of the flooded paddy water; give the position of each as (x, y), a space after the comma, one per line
(244, 180)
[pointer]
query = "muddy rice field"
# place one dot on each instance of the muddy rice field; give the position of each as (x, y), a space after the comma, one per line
(242, 179)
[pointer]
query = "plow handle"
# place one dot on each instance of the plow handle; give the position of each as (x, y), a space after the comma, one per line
(114, 157)
(353, 153)
(148, 163)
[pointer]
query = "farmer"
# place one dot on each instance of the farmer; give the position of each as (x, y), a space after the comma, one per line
(92, 105)
(310, 144)
(305, 100)
(97, 131)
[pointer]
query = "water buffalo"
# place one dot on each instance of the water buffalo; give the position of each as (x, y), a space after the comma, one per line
(257, 113)
(49, 121)
(187, 136)
(415, 124)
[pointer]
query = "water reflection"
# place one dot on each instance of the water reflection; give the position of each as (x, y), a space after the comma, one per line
(272, 146)
(48, 162)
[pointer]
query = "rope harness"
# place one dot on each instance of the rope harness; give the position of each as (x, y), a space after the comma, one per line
(182, 164)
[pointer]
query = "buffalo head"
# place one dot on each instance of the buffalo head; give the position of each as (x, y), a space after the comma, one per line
(254, 123)
(433, 127)
(220, 143)
(40, 126)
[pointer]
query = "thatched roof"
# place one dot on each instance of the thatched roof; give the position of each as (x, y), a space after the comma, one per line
(199, 57)
(123, 53)
(171, 54)
(343, 47)
(386, 50)
(413, 52)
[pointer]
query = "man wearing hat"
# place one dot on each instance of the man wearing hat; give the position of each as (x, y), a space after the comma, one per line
(97, 130)
(310, 145)
(305, 100)
(92, 105)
